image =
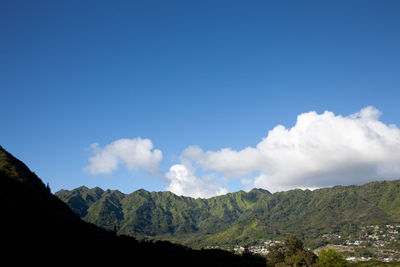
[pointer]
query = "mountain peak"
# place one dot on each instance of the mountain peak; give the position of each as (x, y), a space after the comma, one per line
(97, 189)
(82, 188)
(260, 190)
(15, 169)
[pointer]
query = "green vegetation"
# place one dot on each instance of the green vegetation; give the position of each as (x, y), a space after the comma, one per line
(330, 258)
(241, 217)
(290, 253)
(41, 230)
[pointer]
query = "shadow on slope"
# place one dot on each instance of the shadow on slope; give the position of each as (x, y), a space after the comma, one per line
(39, 229)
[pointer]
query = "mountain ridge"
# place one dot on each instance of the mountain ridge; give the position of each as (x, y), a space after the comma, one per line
(223, 220)
(41, 230)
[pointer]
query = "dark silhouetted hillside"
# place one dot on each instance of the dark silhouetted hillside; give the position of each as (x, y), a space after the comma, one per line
(39, 229)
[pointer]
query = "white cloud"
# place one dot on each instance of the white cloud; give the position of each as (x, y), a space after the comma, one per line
(182, 181)
(135, 153)
(319, 150)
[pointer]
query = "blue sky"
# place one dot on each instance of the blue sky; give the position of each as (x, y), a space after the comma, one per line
(214, 74)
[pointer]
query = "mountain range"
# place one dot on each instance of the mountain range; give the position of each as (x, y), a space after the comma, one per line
(240, 217)
(38, 229)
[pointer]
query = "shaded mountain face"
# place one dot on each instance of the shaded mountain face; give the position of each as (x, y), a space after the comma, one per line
(39, 229)
(238, 217)
(152, 213)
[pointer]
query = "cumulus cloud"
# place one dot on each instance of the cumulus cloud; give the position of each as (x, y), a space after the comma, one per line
(319, 150)
(134, 153)
(182, 181)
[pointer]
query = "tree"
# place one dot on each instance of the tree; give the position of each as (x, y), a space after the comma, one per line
(276, 255)
(290, 253)
(330, 258)
(293, 245)
(246, 252)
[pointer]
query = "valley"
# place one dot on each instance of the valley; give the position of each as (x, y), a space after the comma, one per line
(342, 216)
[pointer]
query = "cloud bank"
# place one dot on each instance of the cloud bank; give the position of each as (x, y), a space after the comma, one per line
(319, 150)
(182, 181)
(138, 153)
(134, 153)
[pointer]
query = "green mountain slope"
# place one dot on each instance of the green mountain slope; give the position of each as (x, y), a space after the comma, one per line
(239, 218)
(148, 214)
(38, 229)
